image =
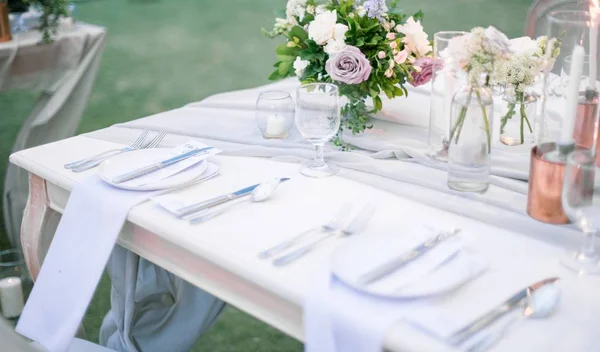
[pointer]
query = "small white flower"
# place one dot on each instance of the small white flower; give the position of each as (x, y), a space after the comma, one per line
(361, 11)
(300, 66)
(415, 39)
(333, 46)
(310, 9)
(295, 8)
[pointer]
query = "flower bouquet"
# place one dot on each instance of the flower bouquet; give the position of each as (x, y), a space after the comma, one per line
(529, 59)
(366, 48)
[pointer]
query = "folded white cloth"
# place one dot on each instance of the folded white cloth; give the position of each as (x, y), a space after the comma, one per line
(75, 261)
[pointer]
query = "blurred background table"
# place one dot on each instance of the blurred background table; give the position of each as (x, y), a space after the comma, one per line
(61, 74)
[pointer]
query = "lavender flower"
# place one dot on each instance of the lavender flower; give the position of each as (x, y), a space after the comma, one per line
(349, 66)
(376, 9)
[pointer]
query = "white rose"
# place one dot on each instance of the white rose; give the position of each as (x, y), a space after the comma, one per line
(415, 39)
(524, 45)
(300, 65)
(333, 46)
(324, 27)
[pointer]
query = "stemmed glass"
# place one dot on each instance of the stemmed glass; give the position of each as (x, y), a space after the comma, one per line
(581, 203)
(318, 120)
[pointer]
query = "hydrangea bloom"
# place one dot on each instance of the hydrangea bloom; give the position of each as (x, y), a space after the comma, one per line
(376, 9)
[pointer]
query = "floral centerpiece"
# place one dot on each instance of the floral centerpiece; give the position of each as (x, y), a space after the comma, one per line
(477, 54)
(520, 72)
(367, 48)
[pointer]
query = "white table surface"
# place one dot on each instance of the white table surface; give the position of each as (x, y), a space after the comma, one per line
(220, 255)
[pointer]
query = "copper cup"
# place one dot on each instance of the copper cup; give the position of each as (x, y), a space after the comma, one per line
(545, 187)
(4, 22)
(586, 123)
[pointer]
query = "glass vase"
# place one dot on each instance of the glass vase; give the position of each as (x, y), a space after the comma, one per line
(517, 116)
(470, 139)
(443, 87)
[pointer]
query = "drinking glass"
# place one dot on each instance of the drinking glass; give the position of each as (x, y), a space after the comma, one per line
(581, 203)
(318, 121)
(274, 114)
(443, 88)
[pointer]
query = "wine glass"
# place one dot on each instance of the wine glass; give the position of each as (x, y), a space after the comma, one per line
(318, 120)
(581, 203)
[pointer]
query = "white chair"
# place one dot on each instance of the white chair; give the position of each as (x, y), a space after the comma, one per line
(536, 23)
(13, 342)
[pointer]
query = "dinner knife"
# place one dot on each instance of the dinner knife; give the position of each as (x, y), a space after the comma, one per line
(194, 208)
(489, 318)
(392, 266)
(159, 165)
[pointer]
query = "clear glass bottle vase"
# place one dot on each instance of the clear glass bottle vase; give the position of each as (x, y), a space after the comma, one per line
(517, 119)
(470, 138)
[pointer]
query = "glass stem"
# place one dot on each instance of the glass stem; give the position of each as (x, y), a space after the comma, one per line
(589, 244)
(319, 160)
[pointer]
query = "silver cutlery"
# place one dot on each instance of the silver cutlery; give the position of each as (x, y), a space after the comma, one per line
(334, 224)
(356, 226)
(152, 144)
(489, 318)
(133, 146)
(195, 208)
(159, 165)
(259, 194)
(538, 304)
(396, 264)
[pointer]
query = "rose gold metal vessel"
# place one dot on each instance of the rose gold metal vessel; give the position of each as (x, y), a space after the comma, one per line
(4, 22)
(587, 132)
(545, 187)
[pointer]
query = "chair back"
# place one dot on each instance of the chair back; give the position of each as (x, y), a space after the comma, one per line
(536, 23)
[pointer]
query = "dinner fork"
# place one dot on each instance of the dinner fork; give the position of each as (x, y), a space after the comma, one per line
(153, 143)
(133, 146)
(334, 224)
(356, 226)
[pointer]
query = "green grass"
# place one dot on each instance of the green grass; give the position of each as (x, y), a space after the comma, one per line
(161, 54)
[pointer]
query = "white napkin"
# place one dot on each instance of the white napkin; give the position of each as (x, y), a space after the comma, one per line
(338, 318)
(75, 261)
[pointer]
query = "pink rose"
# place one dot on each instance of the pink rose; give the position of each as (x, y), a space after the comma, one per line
(425, 66)
(390, 36)
(393, 45)
(349, 66)
(401, 57)
(381, 54)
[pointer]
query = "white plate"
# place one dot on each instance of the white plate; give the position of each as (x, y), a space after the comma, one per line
(441, 270)
(140, 158)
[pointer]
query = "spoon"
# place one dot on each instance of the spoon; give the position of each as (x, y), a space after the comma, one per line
(539, 304)
(259, 194)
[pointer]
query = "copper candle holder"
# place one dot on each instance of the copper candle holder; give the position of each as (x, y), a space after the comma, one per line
(545, 187)
(4, 22)
(586, 131)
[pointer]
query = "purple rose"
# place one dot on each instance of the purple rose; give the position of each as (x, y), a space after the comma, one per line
(425, 65)
(349, 66)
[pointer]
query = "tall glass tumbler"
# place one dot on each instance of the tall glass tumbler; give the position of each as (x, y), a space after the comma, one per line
(570, 97)
(443, 88)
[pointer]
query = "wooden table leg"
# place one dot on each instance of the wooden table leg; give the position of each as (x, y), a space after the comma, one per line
(38, 226)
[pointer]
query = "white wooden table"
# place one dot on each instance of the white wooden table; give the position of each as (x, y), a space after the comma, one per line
(220, 256)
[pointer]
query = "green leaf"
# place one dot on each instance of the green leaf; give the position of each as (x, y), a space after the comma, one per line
(299, 33)
(285, 50)
(275, 76)
(286, 58)
(378, 103)
(284, 68)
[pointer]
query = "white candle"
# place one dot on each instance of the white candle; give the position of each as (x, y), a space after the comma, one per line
(275, 125)
(11, 297)
(594, 12)
(575, 73)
